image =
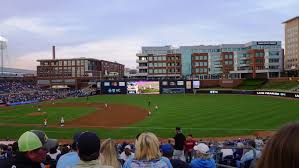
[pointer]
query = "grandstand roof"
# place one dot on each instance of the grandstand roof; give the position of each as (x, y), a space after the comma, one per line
(16, 70)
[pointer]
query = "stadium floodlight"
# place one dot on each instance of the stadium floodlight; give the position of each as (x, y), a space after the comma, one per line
(3, 46)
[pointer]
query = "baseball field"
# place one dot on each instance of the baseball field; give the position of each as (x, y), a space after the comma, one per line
(127, 115)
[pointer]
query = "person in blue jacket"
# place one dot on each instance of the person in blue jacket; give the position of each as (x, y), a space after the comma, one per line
(203, 159)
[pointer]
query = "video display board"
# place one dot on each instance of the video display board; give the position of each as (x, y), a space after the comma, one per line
(143, 87)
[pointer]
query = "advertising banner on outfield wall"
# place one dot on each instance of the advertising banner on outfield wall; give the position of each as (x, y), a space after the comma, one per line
(112, 87)
(248, 92)
(172, 86)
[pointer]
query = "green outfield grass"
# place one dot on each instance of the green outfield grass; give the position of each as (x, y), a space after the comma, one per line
(202, 115)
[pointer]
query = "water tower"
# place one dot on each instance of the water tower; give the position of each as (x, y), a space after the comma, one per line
(3, 46)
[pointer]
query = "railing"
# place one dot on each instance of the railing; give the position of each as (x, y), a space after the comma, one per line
(233, 147)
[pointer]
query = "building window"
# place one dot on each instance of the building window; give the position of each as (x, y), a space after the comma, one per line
(274, 60)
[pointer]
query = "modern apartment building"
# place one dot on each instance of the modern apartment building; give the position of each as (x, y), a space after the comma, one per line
(159, 62)
(291, 58)
(250, 60)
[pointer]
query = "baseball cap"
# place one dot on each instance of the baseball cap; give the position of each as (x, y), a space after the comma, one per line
(166, 148)
(201, 147)
(34, 139)
(88, 143)
(75, 140)
(128, 147)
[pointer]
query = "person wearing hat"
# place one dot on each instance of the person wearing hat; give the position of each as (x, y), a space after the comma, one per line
(203, 159)
(127, 153)
(70, 159)
(33, 147)
(167, 151)
(88, 147)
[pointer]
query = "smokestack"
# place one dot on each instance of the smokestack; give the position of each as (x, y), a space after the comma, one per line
(53, 52)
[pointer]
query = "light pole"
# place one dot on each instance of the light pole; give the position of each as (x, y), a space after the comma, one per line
(2, 47)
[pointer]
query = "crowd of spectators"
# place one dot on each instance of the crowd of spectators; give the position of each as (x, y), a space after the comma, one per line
(24, 91)
(33, 149)
(17, 86)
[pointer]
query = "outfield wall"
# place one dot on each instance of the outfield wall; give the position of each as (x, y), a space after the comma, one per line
(180, 86)
(252, 92)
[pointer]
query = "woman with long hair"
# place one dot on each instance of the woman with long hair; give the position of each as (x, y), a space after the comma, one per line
(282, 150)
(147, 153)
(108, 154)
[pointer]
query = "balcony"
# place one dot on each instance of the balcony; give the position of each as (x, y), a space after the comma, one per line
(245, 58)
(218, 66)
(141, 55)
(142, 67)
(241, 71)
(217, 59)
(244, 65)
(141, 74)
(141, 61)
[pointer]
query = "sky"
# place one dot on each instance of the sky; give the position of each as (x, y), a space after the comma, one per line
(115, 30)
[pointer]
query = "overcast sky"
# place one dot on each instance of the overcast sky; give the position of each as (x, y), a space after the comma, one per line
(115, 30)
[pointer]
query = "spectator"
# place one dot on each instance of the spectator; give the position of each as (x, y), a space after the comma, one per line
(72, 158)
(203, 159)
(239, 151)
(108, 154)
(147, 153)
(54, 152)
(189, 144)
(250, 155)
(89, 150)
(127, 153)
(3, 154)
(282, 149)
(33, 147)
(179, 139)
(123, 145)
(226, 151)
(51, 158)
(259, 143)
(64, 150)
(167, 151)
